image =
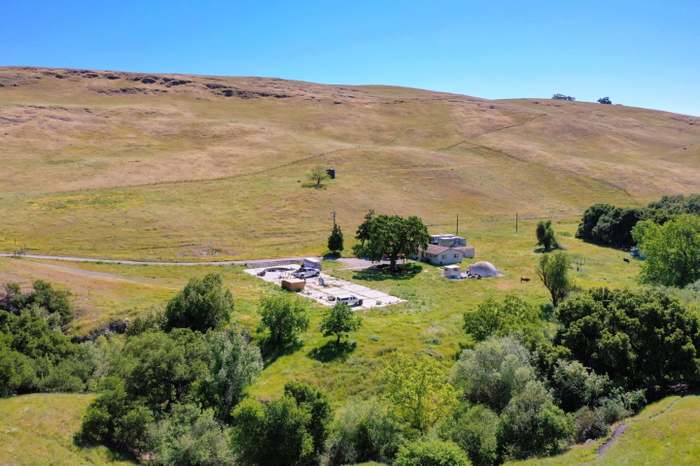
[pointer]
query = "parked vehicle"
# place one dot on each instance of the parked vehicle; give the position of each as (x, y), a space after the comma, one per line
(352, 301)
(306, 273)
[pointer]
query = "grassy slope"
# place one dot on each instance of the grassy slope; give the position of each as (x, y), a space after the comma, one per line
(38, 430)
(188, 173)
(665, 433)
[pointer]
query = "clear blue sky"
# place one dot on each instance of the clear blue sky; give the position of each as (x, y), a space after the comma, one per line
(643, 53)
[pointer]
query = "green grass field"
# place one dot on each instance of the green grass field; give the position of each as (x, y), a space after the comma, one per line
(38, 430)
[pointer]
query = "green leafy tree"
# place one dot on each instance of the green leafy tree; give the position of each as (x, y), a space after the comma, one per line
(418, 390)
(576, 386)
(283, 316)
(335, 240)
(672, 250)
(234, 365)
(475, 429)
(390, 236)
(493, 372)
(287, 431)
(317, 176)
(431, 453)
(43, 295)
(340, 320)
(203, 304)
(366, 432)
(553, 271)
(546, 236)
(511, 316)
(190, 436)
(532, 424)
(590, 219)
(639, 339)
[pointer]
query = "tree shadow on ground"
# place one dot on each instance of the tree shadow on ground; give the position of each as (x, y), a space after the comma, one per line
(384, 272)
(313, 185)
(270, 352)
(331, 351)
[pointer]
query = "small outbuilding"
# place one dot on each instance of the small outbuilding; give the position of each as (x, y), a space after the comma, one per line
(452, 272)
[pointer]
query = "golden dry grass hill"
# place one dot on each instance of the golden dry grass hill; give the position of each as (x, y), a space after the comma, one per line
(137, 165)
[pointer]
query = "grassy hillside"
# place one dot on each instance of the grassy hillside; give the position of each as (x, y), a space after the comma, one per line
(134, 165)
(38, 430)
(665, 433)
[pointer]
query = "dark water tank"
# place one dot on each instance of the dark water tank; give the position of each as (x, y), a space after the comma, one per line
(331, 172)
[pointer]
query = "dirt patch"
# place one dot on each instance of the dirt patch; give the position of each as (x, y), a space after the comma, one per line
(619, 430)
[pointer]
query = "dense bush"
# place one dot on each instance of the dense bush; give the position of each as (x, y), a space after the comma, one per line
(54, 303)
(36, 357)
(639, 339)
(475, 429)
(203, 304)
(511, 316)
(289, 431)
(672, 250)
(532, 424)
(190, 436)
(366, 432)
(431, 453)
(576, 386)
(589, 424)
(335, 240)
(493, 372)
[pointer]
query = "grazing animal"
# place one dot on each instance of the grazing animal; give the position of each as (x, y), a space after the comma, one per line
(626, 259)
(524, 279)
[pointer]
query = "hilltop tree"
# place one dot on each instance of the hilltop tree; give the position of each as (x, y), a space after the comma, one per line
(335, 240)
(545, 236)
(605, 101)
(203, 304)
(340, 320)
(390, 236)
(553, 271)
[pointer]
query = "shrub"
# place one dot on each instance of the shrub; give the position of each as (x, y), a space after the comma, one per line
(190, 436)
(431, 453)
(576, 386)
(475, 429)
(512, 316)
(589, 424)
(532, 424)
(335, 240)
(202, 305)
(493, 372)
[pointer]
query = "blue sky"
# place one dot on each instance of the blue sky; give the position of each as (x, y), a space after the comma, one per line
(641, 53)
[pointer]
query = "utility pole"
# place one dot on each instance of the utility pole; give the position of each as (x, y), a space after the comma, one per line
(333, 214)
(516, 222)
(457, 225)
